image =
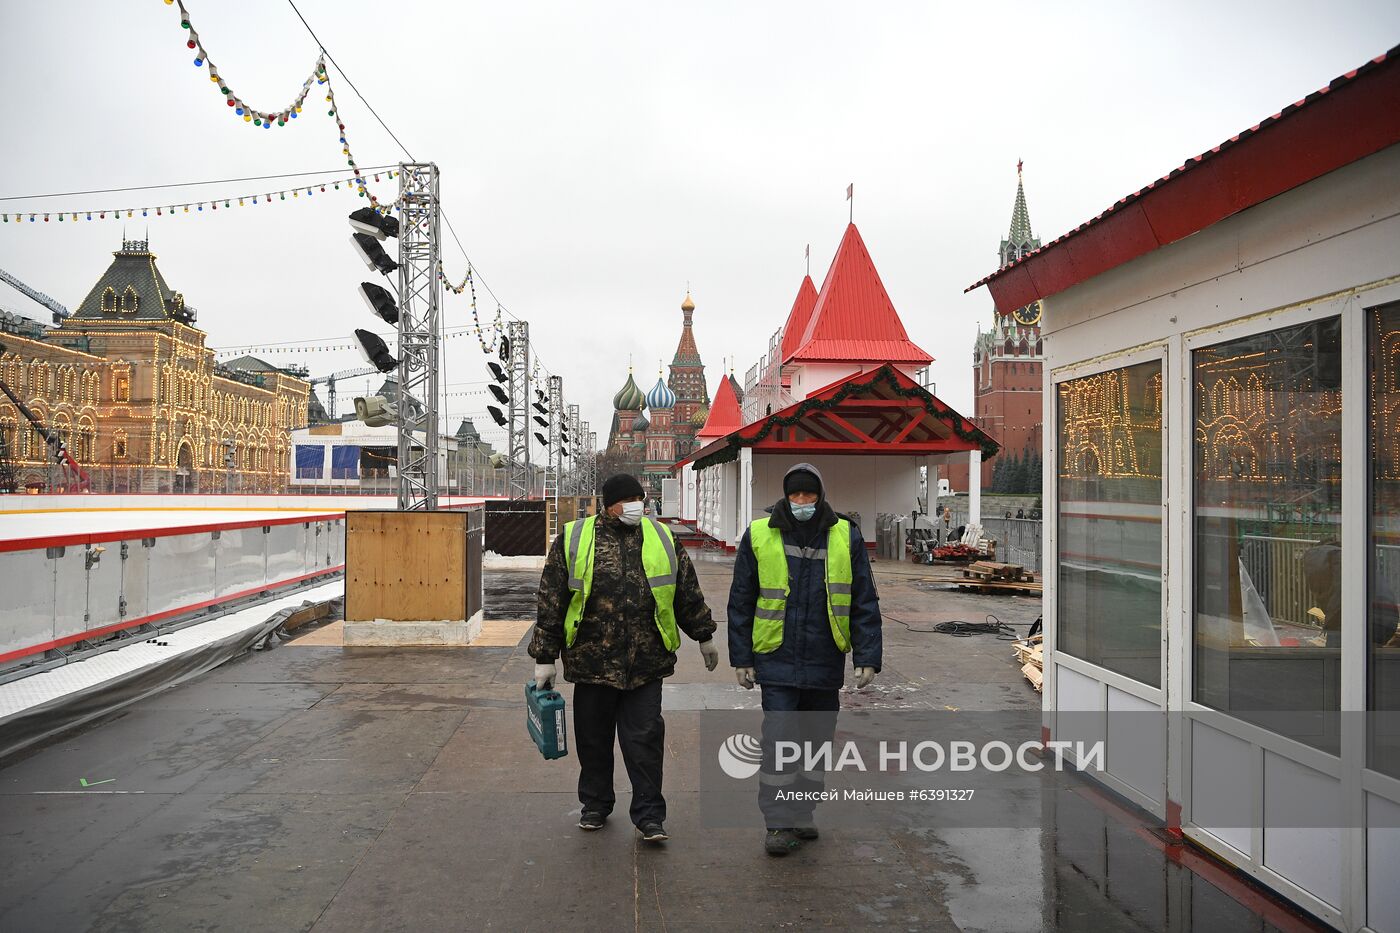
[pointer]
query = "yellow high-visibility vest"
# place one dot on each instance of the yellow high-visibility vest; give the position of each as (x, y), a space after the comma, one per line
(772, 554)
(658, 561)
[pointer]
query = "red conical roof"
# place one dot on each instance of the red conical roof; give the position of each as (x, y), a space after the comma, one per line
(854, 319)
(798, 318)
(724, 413)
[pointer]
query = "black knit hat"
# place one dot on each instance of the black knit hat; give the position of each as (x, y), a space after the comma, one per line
(802, 478)
(619, 487)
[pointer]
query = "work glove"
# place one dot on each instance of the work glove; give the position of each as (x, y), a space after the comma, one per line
(544, 676)
(745, 677)
(710, 653)
(864, 675)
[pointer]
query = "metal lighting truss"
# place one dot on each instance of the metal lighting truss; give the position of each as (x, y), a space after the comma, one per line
(592, 462)
(519, 482)
(419, 333)
(554, 471)
(588, 464)
(575, 442)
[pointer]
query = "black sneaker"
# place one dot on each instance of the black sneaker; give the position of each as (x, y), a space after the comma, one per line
(806, 832)
(653, 832)
(780, 842)
(591, 821)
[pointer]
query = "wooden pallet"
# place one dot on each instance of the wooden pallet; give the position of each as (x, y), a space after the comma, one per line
(1019, 587)
(992, 570)
(1031, 655)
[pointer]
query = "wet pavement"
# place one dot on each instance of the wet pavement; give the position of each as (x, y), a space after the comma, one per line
(382, 789)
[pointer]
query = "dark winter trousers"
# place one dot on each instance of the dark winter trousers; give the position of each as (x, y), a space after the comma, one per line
(792, 714)
(634, 717)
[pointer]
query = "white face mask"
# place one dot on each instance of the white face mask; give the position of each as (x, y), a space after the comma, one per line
(631, 513)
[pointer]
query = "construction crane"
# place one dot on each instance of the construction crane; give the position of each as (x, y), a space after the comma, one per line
(59, 311)
(329, 382)
(53, 439)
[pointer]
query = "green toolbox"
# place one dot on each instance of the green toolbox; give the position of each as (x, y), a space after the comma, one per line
(544, 715)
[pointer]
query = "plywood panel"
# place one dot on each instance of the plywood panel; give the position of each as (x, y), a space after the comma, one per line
(406, 566)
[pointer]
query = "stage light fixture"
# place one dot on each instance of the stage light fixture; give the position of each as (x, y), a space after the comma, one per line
(380, 301)
(375, 351)
(370, 222)
(369, 250)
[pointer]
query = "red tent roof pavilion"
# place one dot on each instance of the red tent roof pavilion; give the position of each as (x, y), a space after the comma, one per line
(854, 319)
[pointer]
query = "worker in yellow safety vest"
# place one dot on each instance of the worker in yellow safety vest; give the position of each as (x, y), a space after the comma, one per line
(802, 599)
(616, 593)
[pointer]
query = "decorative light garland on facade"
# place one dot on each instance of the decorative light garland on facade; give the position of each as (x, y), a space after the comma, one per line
(172, 210)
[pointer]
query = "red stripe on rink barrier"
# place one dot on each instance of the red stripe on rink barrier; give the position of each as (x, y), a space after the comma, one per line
(166, 614)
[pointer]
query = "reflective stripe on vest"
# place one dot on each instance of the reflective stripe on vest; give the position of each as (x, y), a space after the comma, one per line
(658, 562)
(771, 555)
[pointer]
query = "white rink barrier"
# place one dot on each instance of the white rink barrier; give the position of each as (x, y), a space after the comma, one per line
(66, 589)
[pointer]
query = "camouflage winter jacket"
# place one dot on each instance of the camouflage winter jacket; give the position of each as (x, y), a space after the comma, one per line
(618, 644)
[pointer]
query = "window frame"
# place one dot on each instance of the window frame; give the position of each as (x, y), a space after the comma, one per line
(1352, 542)
(1156, 352)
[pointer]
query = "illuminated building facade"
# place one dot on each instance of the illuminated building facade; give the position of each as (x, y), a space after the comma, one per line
(130, 384)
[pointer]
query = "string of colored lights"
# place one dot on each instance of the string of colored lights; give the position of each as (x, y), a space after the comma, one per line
(178, 209)
(322, 77)
(298, 347)
(282, 117)
(469, 284)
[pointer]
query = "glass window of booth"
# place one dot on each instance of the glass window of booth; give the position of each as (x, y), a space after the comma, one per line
(1383, 563)
(1267, 423)
(1109, 481)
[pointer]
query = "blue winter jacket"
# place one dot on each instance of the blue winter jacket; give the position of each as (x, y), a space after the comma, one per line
(808, 657)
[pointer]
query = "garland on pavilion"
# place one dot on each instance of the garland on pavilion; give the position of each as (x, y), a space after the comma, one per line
(885, 376)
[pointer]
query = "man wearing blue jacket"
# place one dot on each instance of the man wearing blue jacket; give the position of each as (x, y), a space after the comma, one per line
(802, 598)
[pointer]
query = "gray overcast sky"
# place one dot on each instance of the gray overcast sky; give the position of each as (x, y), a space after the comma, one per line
(596, 157)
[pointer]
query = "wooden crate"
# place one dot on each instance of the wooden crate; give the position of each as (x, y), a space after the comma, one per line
(407, 566)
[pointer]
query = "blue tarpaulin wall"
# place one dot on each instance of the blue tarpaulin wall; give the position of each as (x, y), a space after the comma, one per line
(345, 461)
(311, 461)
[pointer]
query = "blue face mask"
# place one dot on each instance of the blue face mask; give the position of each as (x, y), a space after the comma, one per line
(803, 512)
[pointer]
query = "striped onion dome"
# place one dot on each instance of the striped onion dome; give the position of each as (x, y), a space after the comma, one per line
(661, 396)
(629, 397)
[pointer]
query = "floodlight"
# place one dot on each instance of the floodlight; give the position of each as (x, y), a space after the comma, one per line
(497, 373)
(500, 394)
(369, 221)
(375, 351)
(368, 249)
(380, 301)
(540, 437)
(541, 422)
(496, 415)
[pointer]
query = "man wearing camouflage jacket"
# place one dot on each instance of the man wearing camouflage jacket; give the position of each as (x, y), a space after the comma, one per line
(616, 592)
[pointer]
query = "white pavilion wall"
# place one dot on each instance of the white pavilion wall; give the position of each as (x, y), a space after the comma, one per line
(867, 484)
(1330, 248)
